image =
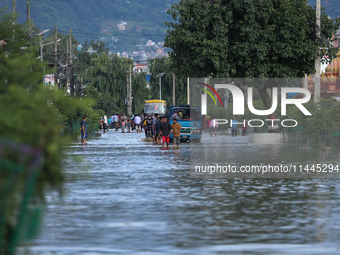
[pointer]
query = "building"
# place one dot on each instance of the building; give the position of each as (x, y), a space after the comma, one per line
(122, 25)
(3, 42)
(330, 77)
(333, 69)
(138, 68)
(150, 43)
(160, 52)
(79, 48)
(90, 50)
(125, 55)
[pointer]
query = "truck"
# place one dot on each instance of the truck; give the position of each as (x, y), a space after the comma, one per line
(191, 122)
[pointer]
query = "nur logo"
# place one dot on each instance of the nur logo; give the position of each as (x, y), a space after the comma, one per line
(213, 90)
(238, 99)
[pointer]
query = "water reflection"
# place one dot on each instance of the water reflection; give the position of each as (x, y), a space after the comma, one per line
(137, 198)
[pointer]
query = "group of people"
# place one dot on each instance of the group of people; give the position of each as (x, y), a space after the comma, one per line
(121, 120)
(161, 129)
(212, 124)
(156, 127)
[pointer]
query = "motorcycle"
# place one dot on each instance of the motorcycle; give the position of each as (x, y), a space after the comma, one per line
(148, 131)
(138, 128)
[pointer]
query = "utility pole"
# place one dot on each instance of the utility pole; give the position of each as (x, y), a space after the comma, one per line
(66, 52)
(71, 59)
(204, 100)
(317, 59)
(305, 82)
(160, 84)
(71, 67)
(77, 93)
(41, 48)
(188, 91)
(160, 87)
(130, 94)
(56, 57)
(67, 67)
(13, 11)
(127, 87)
(81, 85)
(173, 89)
(29, 19)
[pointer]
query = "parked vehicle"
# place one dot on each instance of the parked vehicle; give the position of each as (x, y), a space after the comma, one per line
(191, 122)
(155, 106)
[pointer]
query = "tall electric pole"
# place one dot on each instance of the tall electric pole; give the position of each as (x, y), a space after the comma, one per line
(130, 94)
(127, 88)
(188, 91)
(305, 82)
(71, 67)
(67, 53)
(81, 86)
(56, 57)
(173, 89)
(29, 19)
(67, 66)
(71, 58)
(13, 11)
(317, 59)
(77, 87)
(41, 48)
(160, 87)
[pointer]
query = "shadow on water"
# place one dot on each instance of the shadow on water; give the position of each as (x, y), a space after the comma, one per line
(140, 199)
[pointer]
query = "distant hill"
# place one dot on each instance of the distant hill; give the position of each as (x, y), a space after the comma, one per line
(96, 19)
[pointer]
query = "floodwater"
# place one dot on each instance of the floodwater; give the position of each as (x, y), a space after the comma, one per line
(131, 197)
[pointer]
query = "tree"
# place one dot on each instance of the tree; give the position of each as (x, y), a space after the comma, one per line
(108, 76)
(246, 39)
(32, 119)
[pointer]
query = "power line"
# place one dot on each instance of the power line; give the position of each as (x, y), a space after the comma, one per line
(103, 34)
(331, 5)
(333, 10)
(43, 0)
(9, 22)
(153, 59)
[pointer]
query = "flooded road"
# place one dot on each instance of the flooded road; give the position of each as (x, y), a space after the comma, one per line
(130, 197)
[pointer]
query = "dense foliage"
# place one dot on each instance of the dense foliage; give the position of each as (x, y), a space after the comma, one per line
(105, 76)
(32, 117)
(325, 115)
(107, 83)
(261, 39)
(90, 17)
(246, 39)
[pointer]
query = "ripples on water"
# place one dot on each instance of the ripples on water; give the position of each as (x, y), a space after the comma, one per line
(136, 198)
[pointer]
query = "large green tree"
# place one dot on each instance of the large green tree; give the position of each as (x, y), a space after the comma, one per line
(246, 39)
(32, 119)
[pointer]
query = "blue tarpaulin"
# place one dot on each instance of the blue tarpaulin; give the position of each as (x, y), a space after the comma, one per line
(148, 78)
(291, 94)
